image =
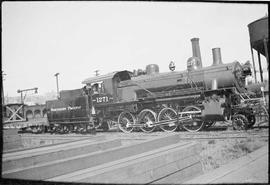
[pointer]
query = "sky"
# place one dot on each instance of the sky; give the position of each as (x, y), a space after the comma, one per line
(74, 39)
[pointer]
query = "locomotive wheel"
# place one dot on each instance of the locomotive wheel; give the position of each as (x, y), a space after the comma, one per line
(168, 114)
(195, 124)
(147, 117)
(125, 120)
(239, 122)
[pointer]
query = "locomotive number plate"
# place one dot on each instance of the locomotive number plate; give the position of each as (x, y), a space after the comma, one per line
(102, 99)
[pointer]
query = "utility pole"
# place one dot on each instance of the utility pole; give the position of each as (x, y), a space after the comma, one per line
(2, 93)
(96, 71)
(56, 75)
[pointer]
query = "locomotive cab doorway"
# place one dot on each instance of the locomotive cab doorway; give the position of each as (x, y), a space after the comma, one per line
(117, 78)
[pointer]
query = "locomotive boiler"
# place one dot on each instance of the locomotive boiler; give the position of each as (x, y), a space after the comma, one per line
(191, 99)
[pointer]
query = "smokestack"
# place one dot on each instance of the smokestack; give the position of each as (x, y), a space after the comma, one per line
(216, 56)
(196, 50)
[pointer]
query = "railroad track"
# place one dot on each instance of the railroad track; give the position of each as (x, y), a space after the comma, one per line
(136, 137)
(219, 131)
(63, 139)
(203, 135)
(224, 137)
(227, 134)
(60, 136)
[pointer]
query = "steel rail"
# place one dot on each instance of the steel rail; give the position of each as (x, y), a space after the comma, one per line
(223, 137)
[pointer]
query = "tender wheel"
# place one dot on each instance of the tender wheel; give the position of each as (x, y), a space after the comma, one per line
(125, 121)
(168, 114)
(195, 124)
(239, 122)
(147, 117)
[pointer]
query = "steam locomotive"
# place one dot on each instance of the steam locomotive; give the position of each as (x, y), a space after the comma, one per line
(192, 99)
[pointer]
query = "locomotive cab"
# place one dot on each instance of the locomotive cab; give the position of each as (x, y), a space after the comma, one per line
(104, 87)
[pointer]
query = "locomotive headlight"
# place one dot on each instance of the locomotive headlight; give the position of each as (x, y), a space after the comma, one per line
(172, 66)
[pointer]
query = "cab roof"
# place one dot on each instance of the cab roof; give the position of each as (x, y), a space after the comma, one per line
(123, 75)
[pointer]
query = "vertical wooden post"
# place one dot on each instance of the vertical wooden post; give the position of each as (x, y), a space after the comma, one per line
(254, 68)
(266, 51)
(260, 66)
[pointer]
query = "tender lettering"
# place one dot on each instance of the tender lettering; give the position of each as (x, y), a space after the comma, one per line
(65, 108)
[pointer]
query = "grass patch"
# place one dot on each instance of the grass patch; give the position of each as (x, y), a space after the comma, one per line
(250, 146)
(211, 142)
(216, 153)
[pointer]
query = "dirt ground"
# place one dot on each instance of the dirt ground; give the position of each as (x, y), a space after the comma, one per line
(216, 153)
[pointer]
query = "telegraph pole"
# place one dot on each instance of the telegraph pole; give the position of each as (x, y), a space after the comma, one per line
(96, 71)
(56, 75)
(2, 93)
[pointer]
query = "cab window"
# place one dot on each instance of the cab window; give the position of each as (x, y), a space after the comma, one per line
(98, 88)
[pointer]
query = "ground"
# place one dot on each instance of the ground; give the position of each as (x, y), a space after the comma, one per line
(216, 153)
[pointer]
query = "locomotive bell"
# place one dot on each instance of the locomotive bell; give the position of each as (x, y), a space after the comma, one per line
(193, 63)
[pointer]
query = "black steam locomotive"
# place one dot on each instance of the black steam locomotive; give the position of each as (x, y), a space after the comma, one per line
(146, 99)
